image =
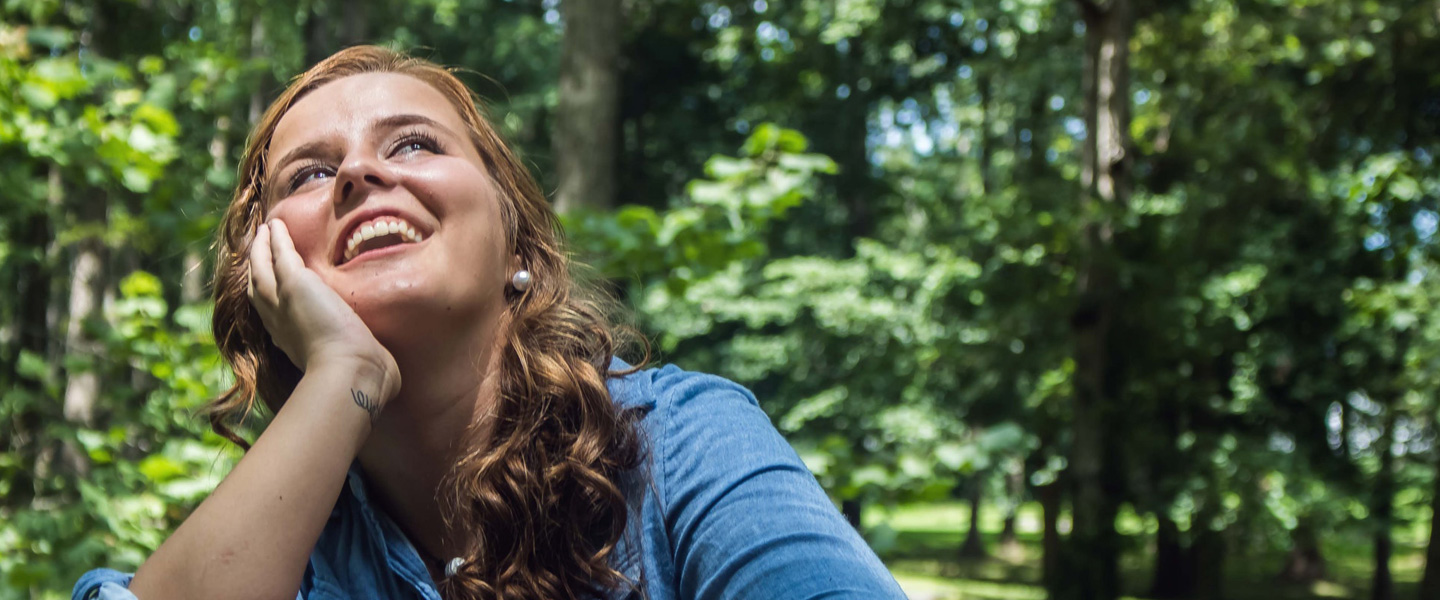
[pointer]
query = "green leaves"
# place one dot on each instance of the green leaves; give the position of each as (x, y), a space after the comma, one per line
(141, 285)
(145, 469)
(867, 211)
(51, 80)
(720, 221)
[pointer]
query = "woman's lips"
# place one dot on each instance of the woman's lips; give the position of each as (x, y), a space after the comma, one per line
(378, 234)
(379, 252)
(341, 248)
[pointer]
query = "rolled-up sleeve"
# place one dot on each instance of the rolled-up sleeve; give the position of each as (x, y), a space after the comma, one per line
(103, 584)
(746, 518)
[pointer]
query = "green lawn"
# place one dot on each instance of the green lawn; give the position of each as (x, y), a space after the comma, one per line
(920, 544)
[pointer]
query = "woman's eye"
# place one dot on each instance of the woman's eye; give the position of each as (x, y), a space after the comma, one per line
(307, 175)
(416, 143)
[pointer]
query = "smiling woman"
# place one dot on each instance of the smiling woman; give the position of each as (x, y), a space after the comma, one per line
(451, 419)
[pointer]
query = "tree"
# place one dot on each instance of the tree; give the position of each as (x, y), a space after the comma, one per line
(587, 117)
(1106, 160)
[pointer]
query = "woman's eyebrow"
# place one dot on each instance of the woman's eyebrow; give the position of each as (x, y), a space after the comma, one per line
(405, 120)
(312, 148)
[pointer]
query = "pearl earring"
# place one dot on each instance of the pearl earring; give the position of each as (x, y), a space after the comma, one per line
(521, 280)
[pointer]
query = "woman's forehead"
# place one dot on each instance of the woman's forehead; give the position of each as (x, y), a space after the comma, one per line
(351, 104)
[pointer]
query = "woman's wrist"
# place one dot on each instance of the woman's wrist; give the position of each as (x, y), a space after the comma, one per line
(353, 389)
(373, 377)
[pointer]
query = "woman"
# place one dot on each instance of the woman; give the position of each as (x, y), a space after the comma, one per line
(450, 419)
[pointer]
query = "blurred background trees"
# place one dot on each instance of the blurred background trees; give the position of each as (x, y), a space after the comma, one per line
(1075, 298)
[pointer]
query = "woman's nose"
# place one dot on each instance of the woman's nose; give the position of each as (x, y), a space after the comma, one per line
(358, 176)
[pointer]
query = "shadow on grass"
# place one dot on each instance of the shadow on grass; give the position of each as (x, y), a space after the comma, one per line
(922, 550)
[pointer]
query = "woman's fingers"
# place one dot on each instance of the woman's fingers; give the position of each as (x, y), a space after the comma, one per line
(287, 259)
(262, 268)
(305, 318)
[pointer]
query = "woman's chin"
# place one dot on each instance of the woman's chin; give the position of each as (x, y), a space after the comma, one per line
(411, 318)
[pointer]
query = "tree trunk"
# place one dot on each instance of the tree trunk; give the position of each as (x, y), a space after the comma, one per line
(83, 351)
(46, 448)
(1050, 538)
(1092, 565)
(87, 280)
(42, 302)
(1014, 496)
(1173, 573)
(355, 24)
(192, 282)
(54, 256)
(1382, 586)
(974, 545)
(1430, 581)
(1303, 563)
(586, 135)
(842, 136)
(87, 285)
(987, 149)
(257, 50)
(1208, 559)
(19, 434)
(318, 41)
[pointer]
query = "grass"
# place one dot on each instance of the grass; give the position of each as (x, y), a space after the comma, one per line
(920, 544)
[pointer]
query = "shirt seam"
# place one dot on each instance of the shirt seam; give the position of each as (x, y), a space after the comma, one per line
(665, 405)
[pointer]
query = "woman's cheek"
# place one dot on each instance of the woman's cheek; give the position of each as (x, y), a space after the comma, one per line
(307, 222)
(446, 185)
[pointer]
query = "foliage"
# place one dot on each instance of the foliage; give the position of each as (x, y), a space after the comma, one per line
(891, 260)
(146, 471)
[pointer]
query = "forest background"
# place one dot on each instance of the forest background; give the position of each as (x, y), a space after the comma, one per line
(1065, 298)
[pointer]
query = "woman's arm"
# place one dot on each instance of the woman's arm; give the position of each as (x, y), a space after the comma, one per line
(251, 538)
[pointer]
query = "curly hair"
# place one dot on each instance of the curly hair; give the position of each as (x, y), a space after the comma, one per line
(538, 500)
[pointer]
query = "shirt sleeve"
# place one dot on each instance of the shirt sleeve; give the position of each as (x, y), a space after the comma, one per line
(746, 518)
(109, 584)
(103, 584)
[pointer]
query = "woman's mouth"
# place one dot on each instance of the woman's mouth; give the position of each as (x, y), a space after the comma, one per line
(378, 233)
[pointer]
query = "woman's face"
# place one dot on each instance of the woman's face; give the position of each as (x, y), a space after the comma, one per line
(389, 202)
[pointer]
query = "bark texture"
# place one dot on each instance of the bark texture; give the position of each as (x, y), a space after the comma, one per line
(1430, 581)
(974, 544)
(1382, 584)
(1014, 496)
(586, 136)
(83, 350)
(1050, 538)
(1303, 563)
(1091, 569)
(1174, 575)
(87, 280)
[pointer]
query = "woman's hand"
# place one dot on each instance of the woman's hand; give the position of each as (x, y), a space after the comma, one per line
(308, 320)
(251, 538)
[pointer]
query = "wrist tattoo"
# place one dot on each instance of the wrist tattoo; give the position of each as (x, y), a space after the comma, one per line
(363, 401)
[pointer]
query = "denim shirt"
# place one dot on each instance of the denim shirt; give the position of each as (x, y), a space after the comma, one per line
(723, 508)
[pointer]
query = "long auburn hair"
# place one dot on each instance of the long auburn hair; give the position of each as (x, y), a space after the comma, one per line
(539, 501)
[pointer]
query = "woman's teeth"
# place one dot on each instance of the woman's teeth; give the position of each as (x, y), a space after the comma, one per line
(381, 228)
